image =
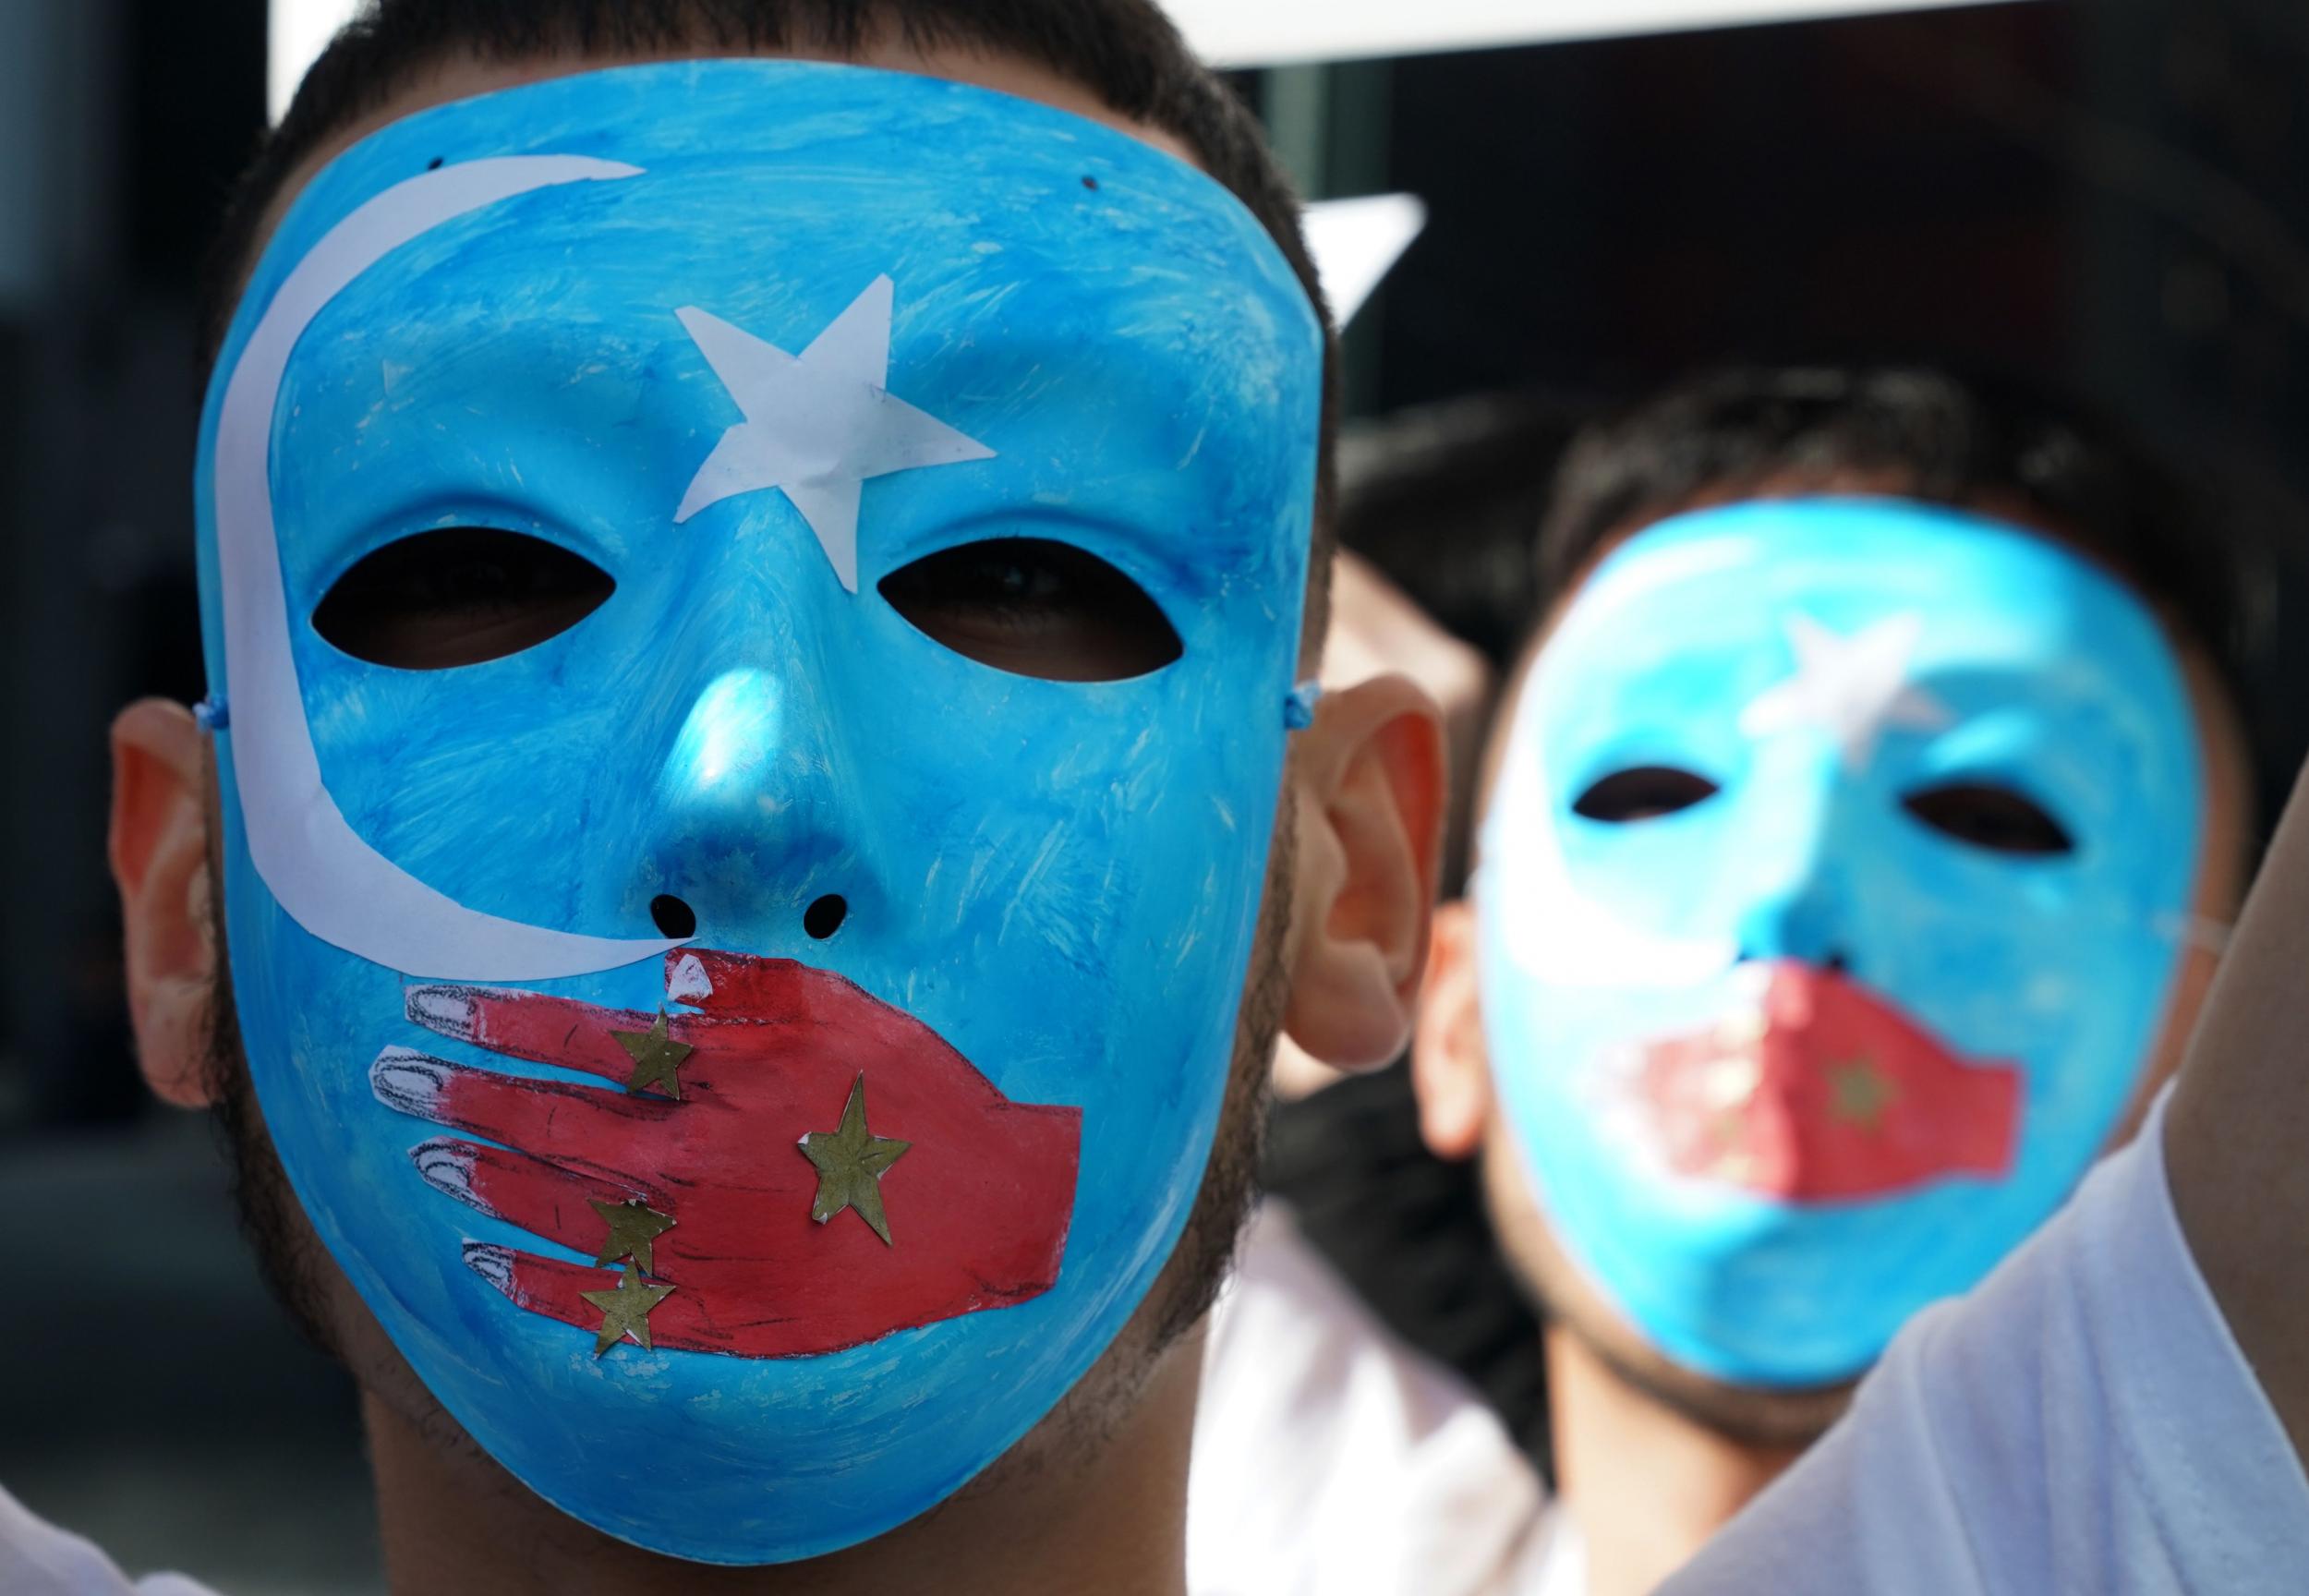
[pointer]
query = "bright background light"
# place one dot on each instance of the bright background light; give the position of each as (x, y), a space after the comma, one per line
(298, 32)
(1271, 32)
(1356, 242)
(1268, 33)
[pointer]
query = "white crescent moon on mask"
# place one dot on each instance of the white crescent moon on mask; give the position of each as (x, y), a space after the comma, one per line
(317, 867)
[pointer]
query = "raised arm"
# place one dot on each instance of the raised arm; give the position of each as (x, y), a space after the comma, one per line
(2237, 1135)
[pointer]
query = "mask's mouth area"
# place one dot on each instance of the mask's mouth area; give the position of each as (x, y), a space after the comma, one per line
(781, 1166)
(1815, 1089)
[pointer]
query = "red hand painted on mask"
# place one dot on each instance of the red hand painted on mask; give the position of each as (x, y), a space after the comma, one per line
(1827, 1093)
(978, 1206)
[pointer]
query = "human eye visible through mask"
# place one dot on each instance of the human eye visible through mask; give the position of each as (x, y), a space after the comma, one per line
(1034, 607)
(458, 596)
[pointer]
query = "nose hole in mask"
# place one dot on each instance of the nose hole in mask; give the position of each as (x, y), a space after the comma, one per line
(823, 918)
(673, 917)
(1837, 963)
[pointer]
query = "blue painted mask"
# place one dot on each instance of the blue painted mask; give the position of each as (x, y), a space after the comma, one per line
(1832, 895)
(750, 1244)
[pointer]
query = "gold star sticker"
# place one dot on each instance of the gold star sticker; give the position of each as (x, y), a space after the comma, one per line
(656, 1057)
(851, 1164)
(625, 1311)
(1859, 1093)
(635, 1226)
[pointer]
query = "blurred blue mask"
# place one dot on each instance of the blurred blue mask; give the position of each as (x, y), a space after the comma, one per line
(1832, 895)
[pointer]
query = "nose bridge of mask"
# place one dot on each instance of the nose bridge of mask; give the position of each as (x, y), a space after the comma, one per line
(756, 767)
(737, 742)
(1796, 816)
(754, 761)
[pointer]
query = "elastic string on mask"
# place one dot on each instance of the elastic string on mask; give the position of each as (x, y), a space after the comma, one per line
(1299, 705)
(2199, 931)
(213, 714)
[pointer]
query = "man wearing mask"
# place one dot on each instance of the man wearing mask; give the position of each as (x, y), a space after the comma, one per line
(740, 871)
(757, 820)
(1858, 842)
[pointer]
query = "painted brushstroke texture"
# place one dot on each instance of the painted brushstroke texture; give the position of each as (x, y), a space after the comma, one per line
(1891, 646)
(1060, 880)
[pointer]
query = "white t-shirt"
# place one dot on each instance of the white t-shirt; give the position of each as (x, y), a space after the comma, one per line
(1331, 1460)
(37, 1560)
(2083, 1422)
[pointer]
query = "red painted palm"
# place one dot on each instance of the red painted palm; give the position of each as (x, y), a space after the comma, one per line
(806, 1166)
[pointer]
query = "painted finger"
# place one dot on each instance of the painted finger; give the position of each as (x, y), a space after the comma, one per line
(600, 1131)
(608, 1219)
(612, 1305)
(642, 1051)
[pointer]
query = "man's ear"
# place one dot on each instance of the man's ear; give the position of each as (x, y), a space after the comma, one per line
(159, 845)
(1450, 1072)
(1370, 782)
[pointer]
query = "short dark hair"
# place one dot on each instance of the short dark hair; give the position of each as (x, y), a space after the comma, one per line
(1443, 499)
(1956, 441)
(1125, 52)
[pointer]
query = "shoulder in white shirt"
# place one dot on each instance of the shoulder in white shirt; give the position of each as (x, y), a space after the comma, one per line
(1330, 1457)
(2083, 1422)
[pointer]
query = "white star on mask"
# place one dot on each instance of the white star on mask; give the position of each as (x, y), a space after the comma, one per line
(1852, 688)
(818, 424)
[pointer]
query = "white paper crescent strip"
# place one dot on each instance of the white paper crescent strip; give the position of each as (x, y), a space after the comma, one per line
(325, 876)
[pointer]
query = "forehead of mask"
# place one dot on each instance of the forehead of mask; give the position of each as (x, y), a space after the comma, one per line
(1060, 879)
(1817, 665)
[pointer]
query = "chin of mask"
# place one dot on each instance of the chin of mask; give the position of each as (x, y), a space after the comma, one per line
(756, 602)
(1831, 902)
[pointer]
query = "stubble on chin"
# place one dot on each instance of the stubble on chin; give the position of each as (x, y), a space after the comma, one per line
(1748, 1415)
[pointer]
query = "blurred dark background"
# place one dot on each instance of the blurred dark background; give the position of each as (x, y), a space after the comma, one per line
(2106, 196)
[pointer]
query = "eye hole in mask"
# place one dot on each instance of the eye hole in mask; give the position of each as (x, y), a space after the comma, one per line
(458, 596)
(1034, 608)
(1987, 815)
(1643, 792)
